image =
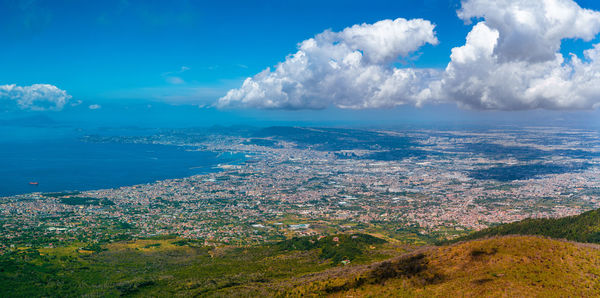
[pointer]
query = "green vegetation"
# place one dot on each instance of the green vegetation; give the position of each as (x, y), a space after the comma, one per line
(581, 228)
(171, 266)
(349, 264)
(338, 248)
(86, 201)
(168, 266)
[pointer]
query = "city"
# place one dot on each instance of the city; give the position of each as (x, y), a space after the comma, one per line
(284, 188)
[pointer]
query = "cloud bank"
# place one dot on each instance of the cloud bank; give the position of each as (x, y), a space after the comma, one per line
(37, 97)
(511, 60)
(349, 69)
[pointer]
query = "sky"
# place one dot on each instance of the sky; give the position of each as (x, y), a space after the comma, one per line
(203, 62)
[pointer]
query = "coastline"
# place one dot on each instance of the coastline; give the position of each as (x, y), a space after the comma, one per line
(109, 169)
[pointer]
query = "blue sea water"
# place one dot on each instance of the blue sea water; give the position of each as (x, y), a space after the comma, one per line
(66, 163)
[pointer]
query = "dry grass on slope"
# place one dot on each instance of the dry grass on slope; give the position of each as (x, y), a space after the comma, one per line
(494, 267)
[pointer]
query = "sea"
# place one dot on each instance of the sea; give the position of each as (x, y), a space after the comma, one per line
(58, 160)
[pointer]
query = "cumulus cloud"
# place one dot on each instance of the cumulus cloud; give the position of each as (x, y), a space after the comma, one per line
(532, 30)
(511, 59)
(37, 97)
(94, 107)
(353, 68)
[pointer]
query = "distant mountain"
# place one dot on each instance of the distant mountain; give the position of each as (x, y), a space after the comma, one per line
(335, 139)
(581, 228)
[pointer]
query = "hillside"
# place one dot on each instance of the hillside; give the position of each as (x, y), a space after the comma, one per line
(584, 227)
(337, 265)
(167, 266)
(504, 266)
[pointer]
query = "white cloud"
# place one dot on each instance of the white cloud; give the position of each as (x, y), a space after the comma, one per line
(511, 59)
(94, 107)
(349, 69)
(532, 30)
(37, 97)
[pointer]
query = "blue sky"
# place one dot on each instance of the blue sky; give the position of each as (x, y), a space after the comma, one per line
(132, 55)
(108, 48)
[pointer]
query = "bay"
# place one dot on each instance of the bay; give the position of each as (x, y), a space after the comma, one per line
(70, 164)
